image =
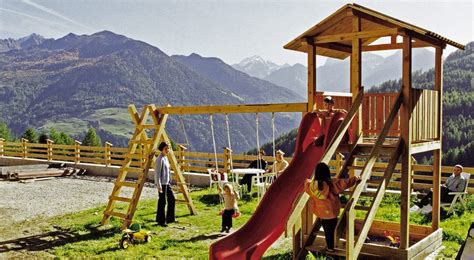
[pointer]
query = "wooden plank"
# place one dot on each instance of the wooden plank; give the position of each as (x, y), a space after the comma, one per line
(355, 35)
(229, 109)
(421, 245)
(123, 199)
(406, 134)
(311, 76)
(392, 46)
(117, 214)
(35, 145)
(127, 184)
(424, 147)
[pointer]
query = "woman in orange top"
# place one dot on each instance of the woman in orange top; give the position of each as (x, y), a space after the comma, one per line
(324, 192)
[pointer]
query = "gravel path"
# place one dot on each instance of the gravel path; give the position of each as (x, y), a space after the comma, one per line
(23, 201)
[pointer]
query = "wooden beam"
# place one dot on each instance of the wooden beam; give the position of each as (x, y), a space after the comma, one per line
(406, 135)
(235, 109)
(356, 73)
(424, 38)
(311, 76)
(439, 133)
(336, 47)
(425, 147)
(421, 245)
(355, 35)
(393, 46)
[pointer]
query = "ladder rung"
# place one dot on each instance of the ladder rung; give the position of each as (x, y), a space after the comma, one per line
(147, 126)
(149, 141)
(366, 156)
(374, 169)
(364, 193)
(132, 169)
(128, 184)
(371, 181)
(120, 199)
(117, 214)
(358, 207)
(181, 201)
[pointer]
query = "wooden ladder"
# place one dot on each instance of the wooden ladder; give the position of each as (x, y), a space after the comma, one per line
(139, 159)
(302, 201)
(370, 152)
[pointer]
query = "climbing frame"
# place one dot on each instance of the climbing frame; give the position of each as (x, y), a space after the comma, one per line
(142, 151)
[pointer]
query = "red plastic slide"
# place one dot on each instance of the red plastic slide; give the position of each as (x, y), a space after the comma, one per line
(268, 222)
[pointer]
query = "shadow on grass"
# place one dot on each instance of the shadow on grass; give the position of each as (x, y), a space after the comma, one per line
(51, 239)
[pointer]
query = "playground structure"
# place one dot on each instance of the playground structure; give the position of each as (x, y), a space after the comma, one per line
(387, 127)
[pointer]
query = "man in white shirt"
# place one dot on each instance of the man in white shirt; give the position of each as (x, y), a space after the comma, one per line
(455, 183)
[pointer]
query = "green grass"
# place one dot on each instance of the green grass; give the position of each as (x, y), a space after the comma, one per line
(79, 234)
(116, 121)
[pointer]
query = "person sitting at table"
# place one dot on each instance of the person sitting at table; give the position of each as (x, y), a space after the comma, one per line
(455, 183)
(279, 165)
(257, 164)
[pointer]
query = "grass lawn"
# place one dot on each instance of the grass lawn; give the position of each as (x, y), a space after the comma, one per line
(79, 234)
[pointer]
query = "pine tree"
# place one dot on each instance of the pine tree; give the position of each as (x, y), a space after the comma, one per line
(5, 132)
(30, 135)
(66, 139)
(43, 138)
(91, 138)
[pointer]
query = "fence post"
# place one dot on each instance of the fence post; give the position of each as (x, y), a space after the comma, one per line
(1, 146)
(227, 153)
(49, 149)
(108, 153)
(24, 148)
(77, 151)
(181, 159)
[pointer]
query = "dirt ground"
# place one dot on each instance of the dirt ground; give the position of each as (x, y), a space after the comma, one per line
(20, 202)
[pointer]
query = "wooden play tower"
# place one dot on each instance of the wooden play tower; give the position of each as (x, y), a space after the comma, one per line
(398, 126)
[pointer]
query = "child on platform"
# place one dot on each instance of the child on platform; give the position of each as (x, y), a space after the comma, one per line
(324, 192)
(230, 206)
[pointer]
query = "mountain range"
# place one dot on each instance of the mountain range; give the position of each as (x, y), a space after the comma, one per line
(334, 74)
(79, 81)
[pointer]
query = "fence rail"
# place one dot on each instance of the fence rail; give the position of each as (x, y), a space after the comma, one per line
(193, 161)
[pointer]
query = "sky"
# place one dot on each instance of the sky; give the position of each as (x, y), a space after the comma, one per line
(230, 30)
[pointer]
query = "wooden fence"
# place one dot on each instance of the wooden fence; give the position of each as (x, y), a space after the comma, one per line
(195, 161)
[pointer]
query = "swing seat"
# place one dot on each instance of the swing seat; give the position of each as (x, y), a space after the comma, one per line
(235, 215)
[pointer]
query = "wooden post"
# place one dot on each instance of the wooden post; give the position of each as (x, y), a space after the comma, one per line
(49, 149)
(77, 152)
(181, 158)
(311, 74)
(439, 133)
(227, 155)
(2, 141)
(355, 74)
(356, 83)
(108, 153)
(406, 135)
(24, 152)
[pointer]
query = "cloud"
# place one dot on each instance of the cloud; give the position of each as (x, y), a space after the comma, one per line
(52, 12)
(33, 17)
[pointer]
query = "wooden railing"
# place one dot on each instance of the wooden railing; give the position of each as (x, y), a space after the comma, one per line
(376, 108)
(425, 115)
(196, 161)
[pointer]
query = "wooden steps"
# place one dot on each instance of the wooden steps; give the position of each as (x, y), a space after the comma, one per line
(143, 148)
